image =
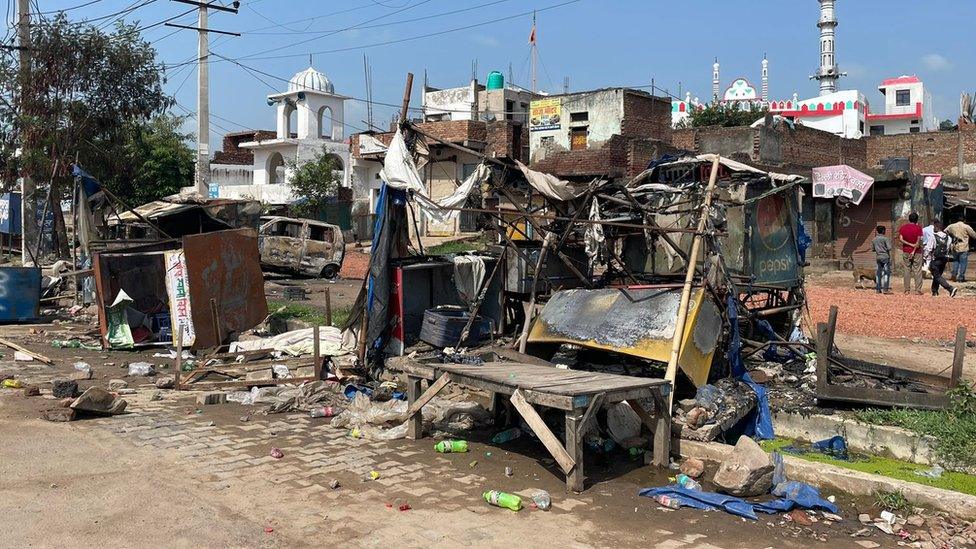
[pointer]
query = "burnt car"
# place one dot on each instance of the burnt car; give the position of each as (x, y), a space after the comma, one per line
(301, 246)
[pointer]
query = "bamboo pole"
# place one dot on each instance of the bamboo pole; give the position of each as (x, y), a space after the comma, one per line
(679, 328)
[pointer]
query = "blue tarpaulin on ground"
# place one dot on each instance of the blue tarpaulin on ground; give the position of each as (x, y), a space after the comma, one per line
(760, 422)
(793, 494)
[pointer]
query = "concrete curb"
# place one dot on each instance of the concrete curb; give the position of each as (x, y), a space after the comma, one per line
(856, 483)
(861, 437)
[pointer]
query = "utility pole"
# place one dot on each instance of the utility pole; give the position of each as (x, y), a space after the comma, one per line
(201, 177)
(535, 54)
(28, 190)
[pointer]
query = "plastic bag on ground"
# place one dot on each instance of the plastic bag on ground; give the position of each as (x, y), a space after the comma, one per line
(141, 369)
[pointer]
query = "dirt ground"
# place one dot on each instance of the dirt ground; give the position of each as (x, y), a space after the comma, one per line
(172, 473)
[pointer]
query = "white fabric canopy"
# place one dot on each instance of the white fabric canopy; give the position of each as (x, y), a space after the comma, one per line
(401, 172)
(550, 185)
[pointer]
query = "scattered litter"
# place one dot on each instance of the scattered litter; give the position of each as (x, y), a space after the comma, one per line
(22, 357)
(141, 369)
(268, 530)
(935, 472)
(542, 500)
(473, 464)
(322, 411)
(503, 499)
(404, 507)
(335, 484)
(451, 446)
(211, 424)
(508, 472)
(277, 453)
(507, 435)
(11, 383)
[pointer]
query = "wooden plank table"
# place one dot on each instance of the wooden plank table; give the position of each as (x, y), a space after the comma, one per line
(579, 394)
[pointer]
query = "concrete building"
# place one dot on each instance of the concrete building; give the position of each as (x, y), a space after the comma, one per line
(611, 132)
(907, 106)
(494, 101)
(309, 119)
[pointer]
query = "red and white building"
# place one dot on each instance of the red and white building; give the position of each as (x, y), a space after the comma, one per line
(907, 108)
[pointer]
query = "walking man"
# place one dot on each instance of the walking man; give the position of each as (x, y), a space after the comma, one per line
(938, 251)
(882, 255)
(963, 236)
(910, 237)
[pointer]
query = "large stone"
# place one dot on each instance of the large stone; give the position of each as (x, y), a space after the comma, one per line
(99, 401)
(59, 414)
(117, 384)
(747, 472)
(212, 397)
(64, 388)
(165, 382)
(693, 467)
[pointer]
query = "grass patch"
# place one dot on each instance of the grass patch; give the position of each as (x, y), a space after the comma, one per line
(888, 467)
(954, 429)
(284, 310)
(456, 247)
(891, 501)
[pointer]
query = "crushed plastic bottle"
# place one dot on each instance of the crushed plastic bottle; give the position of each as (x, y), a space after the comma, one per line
(667, 501)
(688, 483)
(66, 344)
(507, 435)
(451, 446)
(542, 500)
(11, 383)
(503, 499)
(322, 411)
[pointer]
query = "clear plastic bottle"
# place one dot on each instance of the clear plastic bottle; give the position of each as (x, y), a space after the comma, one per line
(667, 501)
(542, 500)
(503, 499)
(507, 435)
(688, 483)
(451, 446)
(322, 411)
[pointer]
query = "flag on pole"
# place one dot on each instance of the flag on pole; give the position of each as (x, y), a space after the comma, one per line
(532, 34)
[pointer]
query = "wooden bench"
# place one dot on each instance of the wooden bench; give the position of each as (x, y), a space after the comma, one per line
(580, 394)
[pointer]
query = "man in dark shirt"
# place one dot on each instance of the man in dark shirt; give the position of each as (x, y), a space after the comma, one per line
(882, 255)
(910, 237)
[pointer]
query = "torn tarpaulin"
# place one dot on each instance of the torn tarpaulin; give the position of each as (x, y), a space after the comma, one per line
(761, 426)
(794, 495)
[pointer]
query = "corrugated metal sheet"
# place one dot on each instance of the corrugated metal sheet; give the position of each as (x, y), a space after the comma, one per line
(225, 278)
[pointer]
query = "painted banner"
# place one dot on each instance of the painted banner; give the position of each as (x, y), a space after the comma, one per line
(842, 180)
(772, 243)
(931, 180)
(544, 114)
(178, 289)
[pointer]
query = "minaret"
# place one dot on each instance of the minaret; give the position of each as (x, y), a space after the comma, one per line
(827, 74)
(715, 81)
(765, 79)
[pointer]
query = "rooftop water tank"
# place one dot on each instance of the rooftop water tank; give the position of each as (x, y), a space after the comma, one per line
(495, 80)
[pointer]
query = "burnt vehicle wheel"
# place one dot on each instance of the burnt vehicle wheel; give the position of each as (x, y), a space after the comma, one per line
(330, 271)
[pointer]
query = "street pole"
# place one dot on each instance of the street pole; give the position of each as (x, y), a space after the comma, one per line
(28, 190)
(202, 178)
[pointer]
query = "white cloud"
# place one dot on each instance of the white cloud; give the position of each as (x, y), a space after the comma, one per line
(485, 40)
(935, 62)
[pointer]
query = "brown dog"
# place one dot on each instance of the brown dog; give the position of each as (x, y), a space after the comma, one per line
(862, 274)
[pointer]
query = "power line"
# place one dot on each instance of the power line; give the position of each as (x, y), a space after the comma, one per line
(422, 2)
(71, 8)
(257, 56)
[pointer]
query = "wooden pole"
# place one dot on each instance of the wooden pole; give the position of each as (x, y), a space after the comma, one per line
(679, 328)
(523, 339)
(406, 98)
(958, 356)
(328, 307)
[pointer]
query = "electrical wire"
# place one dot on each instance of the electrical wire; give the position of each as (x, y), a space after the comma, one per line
(71, 8)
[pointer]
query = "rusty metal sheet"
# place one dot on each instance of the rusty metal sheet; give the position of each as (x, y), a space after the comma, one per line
(225, 278)
(633, 321)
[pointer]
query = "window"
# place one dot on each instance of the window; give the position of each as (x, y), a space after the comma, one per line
(325, 123)
(577, 138)
(903, 98)
(579, 116)
(915, 121)
(860, 127)
(320, 233)
(509, 110)
(913, 130)
(877, 130)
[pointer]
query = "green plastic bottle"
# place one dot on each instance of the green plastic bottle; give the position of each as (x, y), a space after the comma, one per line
(503, 499)
(451, 446)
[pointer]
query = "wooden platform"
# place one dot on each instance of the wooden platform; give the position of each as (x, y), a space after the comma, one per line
(579, 394)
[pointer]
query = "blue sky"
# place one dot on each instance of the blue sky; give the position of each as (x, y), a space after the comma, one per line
(595, 43)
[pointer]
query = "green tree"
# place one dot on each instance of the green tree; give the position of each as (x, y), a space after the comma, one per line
(948, 126)
(725, 114)
(84, 90)
(152, 161)
(314, 181)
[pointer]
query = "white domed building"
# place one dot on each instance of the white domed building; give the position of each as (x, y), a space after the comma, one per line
(309, 117)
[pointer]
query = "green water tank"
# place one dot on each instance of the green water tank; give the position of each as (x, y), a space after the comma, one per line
(495, 80)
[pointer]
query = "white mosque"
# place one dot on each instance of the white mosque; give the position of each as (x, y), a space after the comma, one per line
(309, 119)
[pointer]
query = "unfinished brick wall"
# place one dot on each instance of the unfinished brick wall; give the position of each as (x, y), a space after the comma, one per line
(612, 159)
(640, 153)
(931, 152)
(684, 138)
(646, 116)
(454, 131)
(809, 147)
(507, 138)
(232, 153)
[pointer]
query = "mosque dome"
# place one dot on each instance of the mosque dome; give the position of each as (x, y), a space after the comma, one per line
(310, 79)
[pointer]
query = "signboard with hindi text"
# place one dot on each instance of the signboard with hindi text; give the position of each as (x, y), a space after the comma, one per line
(178, 289)
(841, 181)
(544, 114)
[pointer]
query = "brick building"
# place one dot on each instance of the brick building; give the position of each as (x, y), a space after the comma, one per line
(612, 132)
(445, 168)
